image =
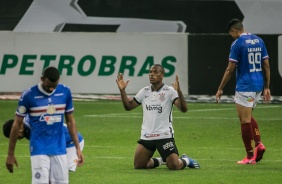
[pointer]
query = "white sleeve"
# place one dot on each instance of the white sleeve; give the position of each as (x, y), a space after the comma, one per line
(139, 96)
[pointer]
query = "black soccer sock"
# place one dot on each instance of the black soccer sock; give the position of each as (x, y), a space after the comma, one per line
(184, 163)
(156, 162)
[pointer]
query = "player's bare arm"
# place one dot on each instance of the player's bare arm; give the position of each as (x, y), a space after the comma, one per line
(73, 132)
(226, 77)
(180, 103)
(127, 104)
(266, 91)
(11, 159)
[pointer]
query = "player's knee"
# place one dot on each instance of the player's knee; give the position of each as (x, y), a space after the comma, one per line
(139, 166)
(172, 165)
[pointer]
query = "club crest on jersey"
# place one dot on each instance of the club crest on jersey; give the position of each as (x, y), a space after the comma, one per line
(162, 96)
(51, 119)
(51, 109)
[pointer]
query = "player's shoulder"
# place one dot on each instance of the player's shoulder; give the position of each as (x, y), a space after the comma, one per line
(166, 87)
(62, 88)
(145, 89)
(29, 91)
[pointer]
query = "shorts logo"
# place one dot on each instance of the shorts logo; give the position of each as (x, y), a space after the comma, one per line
(168, 145)
(37, 175)
(250, 99)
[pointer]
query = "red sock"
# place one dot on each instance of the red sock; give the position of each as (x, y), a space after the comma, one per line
(255, 131)
(247, 136)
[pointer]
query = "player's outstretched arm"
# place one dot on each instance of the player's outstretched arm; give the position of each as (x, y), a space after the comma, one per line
(127, 104)
(180, 103)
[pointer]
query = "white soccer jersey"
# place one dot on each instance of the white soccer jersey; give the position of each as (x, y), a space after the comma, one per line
(157, 112)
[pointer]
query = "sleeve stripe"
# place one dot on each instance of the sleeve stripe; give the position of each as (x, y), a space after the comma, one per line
(136, 101)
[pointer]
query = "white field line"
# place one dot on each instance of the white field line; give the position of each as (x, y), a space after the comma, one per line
(121, 157)
(139, 115)
(208, 118)
(130, 158)
(191, 148)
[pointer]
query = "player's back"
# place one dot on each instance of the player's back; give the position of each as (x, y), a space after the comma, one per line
(251, 52)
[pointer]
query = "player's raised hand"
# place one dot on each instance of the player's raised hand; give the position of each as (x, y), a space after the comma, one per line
(175, 84)
(10, 161)
(120, 82)
(218, 95)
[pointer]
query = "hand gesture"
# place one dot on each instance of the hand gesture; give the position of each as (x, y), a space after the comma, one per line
(218, 95)
(10, 161)
(120, 82)
(175, 84)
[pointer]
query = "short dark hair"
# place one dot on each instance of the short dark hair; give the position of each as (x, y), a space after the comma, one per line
(51, 73)
(235, 24)
(7, 127)
(162, 68)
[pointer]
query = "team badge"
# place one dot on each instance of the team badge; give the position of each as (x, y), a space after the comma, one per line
(51, 109)
(162, 96)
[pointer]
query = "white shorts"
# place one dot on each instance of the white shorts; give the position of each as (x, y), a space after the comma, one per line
(72, 156)
(247, 99)
(49, 168)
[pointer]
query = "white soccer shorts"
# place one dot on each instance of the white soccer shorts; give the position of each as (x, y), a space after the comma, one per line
(49, 168)
(72, 156)
(247, 99)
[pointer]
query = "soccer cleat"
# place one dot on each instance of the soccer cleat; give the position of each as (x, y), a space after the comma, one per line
(259, 151)
(192, 163)
(247, 161)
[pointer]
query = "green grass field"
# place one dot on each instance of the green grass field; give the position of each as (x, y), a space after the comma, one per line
(208, 132)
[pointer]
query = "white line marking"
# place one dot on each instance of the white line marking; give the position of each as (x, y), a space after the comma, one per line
(175, 117)
(139, 115)
(130, 158)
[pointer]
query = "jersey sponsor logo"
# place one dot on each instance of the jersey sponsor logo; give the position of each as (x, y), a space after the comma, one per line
(168, 145)
(254, 41)
(36, 97)
(151, 135)
(154, 108)
(51, 119)
(59, 94)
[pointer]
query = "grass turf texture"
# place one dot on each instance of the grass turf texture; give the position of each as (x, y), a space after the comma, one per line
(208, 132)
